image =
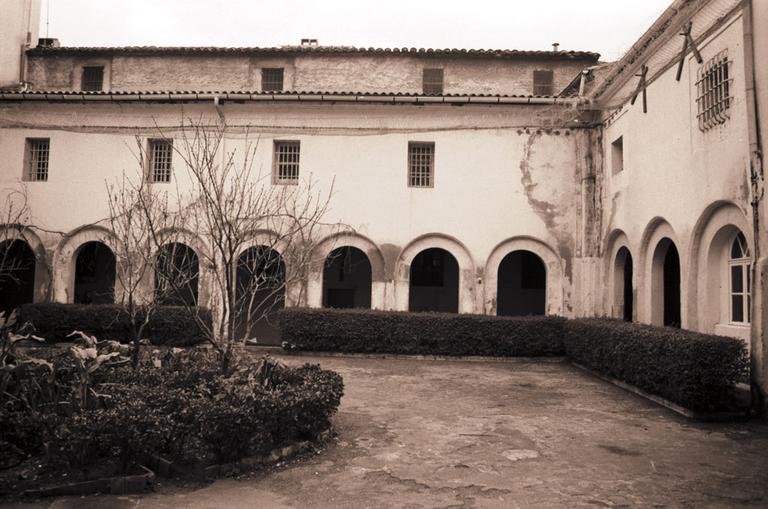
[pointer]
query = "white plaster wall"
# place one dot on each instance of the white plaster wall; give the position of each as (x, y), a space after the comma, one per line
(493, 179)
(673, 170)
(17, 17)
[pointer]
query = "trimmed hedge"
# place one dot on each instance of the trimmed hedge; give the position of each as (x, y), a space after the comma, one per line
(697, 371)
(366, 331)
(169, 325)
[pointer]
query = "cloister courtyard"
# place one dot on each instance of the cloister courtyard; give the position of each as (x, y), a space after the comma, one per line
(426, 433)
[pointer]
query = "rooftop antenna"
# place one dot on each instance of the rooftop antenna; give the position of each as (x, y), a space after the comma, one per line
(47, 17)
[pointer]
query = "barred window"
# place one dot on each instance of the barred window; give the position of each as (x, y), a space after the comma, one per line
(421, 164)
(432, 81)
(160, 158)
(272, 79)
(286, 162)
(38, 151)
(543, 83)
(714, 92)
(93, 78)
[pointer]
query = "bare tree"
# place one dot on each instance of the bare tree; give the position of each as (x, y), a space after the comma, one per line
(138, 214)
(15, 219)
(227, 204)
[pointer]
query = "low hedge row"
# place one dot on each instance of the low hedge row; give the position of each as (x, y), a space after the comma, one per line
(697, 371)
(366, 331)
(169, 325)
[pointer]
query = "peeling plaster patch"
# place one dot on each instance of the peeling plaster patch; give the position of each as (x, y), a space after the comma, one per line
(520, 454)
(390, 252)
(548, 212)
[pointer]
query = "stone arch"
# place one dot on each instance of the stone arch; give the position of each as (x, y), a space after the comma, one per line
(179, 265)
(451, 245)
(657, 238)
(552, 263)
(620, 259)
(95, 273)
(261, 291)
(204, 260)
(42, 276)
(712, 238)
(354, 240)
(65, 258)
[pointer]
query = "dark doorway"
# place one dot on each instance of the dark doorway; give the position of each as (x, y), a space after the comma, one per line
(434, 282)
(17, 279)
(176, 275)
(672, 287)
(522, 285)
(623, 280)
(347, 279)
(260, 286)
(94, 274)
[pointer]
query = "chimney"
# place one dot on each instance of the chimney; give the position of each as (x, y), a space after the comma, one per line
(555, 46)
(48, 42)
(309, 42)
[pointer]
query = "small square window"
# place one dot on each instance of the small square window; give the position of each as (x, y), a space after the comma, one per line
(617, 155)
(421, 164)
(714, 92)
(433, 81)
(93, 78)
(37, 154)
(272, 79)
(543, 83)
(286, 162)
(160, 159)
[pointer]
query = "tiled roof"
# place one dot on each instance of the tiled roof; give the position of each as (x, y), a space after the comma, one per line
(423, 52)
(244, 95)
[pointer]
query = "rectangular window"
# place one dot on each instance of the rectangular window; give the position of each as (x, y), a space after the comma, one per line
(421, 164)
(713, 87)
(286, 162)
(272, 79)
(543, 82)
(432, 81)
(617, 155)
(37, 154)
(93, 78)
(160, 158)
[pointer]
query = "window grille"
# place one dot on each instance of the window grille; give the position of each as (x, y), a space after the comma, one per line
(543, 82)
(160, 156)
(432, 81)
(739, 265)
(714, 92)
(421, 164)
(93, 78)
(286, 167)
(38, 151)
(272, 79)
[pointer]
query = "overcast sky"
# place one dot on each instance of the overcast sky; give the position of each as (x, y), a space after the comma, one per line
(606, 26)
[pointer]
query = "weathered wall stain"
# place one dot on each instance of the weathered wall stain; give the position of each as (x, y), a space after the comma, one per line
(390, 252)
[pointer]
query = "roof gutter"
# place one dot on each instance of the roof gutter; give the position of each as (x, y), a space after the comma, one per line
(219, 97)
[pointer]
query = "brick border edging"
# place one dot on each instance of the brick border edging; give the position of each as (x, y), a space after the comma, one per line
(679, 409)
(117, 485)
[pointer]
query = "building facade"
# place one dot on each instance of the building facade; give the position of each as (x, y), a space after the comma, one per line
(474, 181)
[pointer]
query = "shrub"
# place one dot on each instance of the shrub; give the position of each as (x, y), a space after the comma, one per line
(367, 331)
(169, 325)
(697, 371)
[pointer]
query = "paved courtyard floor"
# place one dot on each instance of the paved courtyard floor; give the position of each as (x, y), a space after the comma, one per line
(415, 434)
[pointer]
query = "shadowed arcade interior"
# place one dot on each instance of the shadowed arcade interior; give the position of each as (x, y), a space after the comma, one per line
(347, 279)
(17, 278)
(434, 282)
(260, 286)
(94, 274)
(522, 285)
(176, 275)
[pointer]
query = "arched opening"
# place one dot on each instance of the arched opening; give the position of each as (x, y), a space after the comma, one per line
(94, 274)
(434, 282)
(522, 285)
(622, 279)
(260, 287)
(347, 279)
(740, 291)
(666, 285)
(17, 274)
(176, 275)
